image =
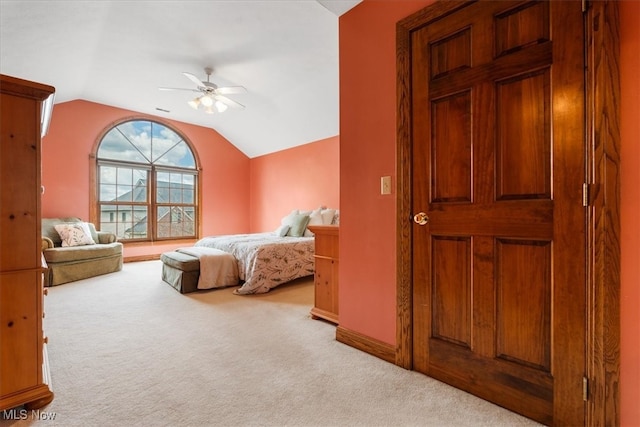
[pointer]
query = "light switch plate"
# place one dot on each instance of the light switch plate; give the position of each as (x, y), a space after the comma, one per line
(385, 185)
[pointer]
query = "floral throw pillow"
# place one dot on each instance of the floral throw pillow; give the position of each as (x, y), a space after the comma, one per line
(75, 234)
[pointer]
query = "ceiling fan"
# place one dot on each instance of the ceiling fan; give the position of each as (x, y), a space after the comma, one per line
(212, 97)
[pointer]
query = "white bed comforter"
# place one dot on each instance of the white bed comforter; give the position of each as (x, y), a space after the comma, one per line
(264, 259)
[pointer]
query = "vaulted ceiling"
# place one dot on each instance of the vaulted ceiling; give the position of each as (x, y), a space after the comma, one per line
(118, 53)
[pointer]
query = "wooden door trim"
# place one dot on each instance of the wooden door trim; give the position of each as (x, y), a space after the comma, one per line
(603, 228)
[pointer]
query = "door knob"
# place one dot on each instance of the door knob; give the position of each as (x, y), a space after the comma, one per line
(421, 218)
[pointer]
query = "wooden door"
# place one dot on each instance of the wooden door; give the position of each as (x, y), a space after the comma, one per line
(497, 139)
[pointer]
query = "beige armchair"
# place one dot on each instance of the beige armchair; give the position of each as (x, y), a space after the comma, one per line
(67, 264)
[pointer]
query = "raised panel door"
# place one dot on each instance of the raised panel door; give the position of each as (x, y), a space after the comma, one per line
(498, 165)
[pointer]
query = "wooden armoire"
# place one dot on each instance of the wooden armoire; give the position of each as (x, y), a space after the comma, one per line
(24, 373)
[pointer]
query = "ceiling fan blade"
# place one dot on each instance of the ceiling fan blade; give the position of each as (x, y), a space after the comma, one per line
(230, 89)
(194, 79)
(228, 101)
(178, 88)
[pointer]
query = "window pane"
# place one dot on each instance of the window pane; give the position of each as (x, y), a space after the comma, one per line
(139, 133)
(162, 187)
(140, 192)
(108, 215)
(176, 195)
(124, 193)
(107, 193)
(116, 146)
(163, 179)
(139, 175)
(125, 176)
(164, 222)
(188, 189)
(140, 221)
(188, 179)
(189, 222)
(175, 155)
(108, 174)
(176, 221)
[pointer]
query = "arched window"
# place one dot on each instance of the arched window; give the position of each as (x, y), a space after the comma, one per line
(147, 183)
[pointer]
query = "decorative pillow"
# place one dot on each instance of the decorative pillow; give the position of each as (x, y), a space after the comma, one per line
(298, 225)
(75, 234)
(282, 230)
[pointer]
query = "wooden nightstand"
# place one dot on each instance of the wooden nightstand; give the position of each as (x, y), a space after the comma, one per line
(326, 272)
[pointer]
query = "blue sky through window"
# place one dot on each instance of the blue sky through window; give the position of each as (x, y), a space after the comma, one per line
(143, 141)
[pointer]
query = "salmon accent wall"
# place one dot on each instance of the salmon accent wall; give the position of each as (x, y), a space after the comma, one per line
(75, 127)
(304, 177)
(630, 209)
(367, 153)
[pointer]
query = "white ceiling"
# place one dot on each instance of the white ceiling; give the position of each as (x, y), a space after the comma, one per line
(118, 53)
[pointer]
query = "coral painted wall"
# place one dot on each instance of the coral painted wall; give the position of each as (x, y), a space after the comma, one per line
(630, 207)
(74, 130)
(303, 177)
(367, 152)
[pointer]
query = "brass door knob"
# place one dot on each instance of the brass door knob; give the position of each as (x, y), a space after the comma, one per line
(421, 218)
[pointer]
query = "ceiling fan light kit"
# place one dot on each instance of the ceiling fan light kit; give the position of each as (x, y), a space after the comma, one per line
(212, 99)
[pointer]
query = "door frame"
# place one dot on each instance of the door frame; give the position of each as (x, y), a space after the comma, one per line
(601, 194)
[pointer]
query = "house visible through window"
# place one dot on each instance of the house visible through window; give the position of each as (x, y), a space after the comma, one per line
(147, 183)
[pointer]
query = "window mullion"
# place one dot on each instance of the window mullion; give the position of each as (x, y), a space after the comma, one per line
(153, 204)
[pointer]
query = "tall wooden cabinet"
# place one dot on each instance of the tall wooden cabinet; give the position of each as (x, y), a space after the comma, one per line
(326, 272)
(23, 366)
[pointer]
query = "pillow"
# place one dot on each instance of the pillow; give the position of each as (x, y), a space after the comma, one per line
(92, 230)
(315, 218)
(298, 225)
(289, 218)
(75, 234)
(282, 230)
(336, 218)
(327, 216)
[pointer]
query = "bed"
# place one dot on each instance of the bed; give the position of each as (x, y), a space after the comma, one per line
(265, 260)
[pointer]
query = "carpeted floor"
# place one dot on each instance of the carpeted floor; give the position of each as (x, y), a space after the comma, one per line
(126, 349)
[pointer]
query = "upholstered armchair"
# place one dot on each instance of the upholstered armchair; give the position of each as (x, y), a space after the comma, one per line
(74, 250)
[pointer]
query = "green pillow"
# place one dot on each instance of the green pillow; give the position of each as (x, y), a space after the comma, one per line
(298, 225)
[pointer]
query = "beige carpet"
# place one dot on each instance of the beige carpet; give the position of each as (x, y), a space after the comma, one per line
(126, 349)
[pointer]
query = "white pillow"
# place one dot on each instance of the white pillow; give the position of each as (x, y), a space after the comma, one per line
(75, 234)
(282, 230)
(315, 218)
(327, 216)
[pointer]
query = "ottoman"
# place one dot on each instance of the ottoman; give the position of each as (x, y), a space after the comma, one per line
(198, 268)
(181, 271)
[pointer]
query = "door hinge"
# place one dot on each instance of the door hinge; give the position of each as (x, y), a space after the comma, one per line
(585, 195)
(585, 388)
(584, 6)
